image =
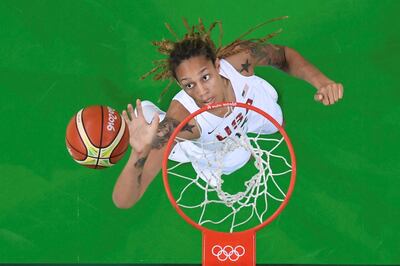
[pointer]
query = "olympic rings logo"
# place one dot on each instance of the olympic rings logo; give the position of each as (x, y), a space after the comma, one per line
(228, 252)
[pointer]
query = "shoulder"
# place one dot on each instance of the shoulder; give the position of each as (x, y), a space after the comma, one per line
(177, 111)
(242, 61)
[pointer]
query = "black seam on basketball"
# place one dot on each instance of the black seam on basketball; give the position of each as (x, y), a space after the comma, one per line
(72, 147)
(80, 137)
(116, 135)
(84, 129)
(101, 135)
(120, 118)
(94, 157)
(122, 152)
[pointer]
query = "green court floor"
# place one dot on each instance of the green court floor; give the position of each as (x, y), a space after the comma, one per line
(57, 57)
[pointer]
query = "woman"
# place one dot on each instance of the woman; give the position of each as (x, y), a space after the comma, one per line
(208, 75)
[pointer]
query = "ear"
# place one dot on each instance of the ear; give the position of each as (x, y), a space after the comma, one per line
(217, 64)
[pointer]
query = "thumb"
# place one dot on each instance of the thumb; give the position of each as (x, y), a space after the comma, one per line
(318, 97)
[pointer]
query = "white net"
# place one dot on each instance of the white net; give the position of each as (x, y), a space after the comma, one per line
(232, 200)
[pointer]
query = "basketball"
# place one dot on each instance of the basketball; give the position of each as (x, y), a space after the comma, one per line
(97, 137)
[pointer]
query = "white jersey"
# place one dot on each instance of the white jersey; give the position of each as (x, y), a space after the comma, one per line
(215, 130)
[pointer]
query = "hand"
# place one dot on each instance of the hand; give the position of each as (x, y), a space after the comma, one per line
(141, 133)
(329, 94)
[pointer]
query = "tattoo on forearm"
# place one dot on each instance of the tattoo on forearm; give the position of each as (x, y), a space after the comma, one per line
(140, 162)
(165, 129)
(139, 179)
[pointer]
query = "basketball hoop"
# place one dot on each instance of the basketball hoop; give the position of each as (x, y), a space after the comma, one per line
(229, 236)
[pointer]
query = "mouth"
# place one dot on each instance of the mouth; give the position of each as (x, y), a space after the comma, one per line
(210, 100)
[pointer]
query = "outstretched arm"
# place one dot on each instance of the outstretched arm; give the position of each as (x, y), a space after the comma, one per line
(127, 189)
(148, 144)
(290, 61)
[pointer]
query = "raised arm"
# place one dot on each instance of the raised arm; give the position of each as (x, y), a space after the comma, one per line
(148, 144)
(127, 189)
(289, 61)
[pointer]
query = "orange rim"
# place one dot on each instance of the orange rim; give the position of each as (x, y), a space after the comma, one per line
(213, 106)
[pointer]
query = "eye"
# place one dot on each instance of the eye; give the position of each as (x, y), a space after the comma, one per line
(206, 77)
(189, 86)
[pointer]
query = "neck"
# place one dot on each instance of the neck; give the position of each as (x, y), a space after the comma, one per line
(229, 95)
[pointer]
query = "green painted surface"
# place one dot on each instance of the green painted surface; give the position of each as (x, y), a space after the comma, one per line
(59, 56)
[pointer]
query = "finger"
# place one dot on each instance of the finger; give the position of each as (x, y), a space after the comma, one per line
(330, 95)
(325, 100)
(139, 108)
(155, 122)
(125, 117)
(336, 92)
(318, 97)
(130, 111)
(341, 90)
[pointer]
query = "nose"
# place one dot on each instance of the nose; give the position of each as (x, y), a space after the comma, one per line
(203, 92)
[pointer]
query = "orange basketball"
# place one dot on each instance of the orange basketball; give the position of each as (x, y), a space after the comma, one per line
(97, 137)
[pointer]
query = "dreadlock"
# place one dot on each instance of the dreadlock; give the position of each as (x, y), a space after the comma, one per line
(197, 41)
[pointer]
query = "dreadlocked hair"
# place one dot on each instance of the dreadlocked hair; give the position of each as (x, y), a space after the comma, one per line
(197, 41)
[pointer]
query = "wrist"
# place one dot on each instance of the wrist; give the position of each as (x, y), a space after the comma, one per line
(321, 82)
(140, 154)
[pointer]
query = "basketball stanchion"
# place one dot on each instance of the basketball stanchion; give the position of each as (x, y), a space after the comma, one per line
(230, 206)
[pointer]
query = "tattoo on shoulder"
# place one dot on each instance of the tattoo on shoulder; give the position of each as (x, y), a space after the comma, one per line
(165, 129)
(188, 128)
(245, 66)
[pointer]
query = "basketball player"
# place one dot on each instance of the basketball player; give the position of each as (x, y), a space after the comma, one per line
(209, 75)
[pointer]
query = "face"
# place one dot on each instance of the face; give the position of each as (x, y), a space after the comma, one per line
(200, 78)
